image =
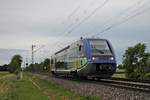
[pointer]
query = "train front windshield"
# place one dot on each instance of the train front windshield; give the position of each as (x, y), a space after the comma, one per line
(99, 47)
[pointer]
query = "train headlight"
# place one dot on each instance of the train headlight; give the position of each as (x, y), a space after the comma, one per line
(93, 58)
(111, 58)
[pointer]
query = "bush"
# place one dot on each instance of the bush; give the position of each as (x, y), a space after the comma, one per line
(137, 62)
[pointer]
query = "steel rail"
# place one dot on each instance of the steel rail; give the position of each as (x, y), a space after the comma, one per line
(140, 86)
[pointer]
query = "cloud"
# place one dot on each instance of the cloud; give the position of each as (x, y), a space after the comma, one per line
(7, 54)
(27, 22)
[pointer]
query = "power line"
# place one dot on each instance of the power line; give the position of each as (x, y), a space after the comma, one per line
(127, 19)
(122, 13)
(82, 21)
(106, 29)
(39, 48)
(87, 17)
(74, 11)
(85, 10)
(110, 26)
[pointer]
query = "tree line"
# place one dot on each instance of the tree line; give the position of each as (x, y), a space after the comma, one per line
(14, 66)
(42, 67)
(4, 67)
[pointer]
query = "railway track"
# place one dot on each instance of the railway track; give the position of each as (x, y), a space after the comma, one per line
(125, 83)
(136, 85)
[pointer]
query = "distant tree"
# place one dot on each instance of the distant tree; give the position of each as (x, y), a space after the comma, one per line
(120, 66)
(15, 64)
(4, 67)
(31, 68)
(0, 68)
(46, 64)
(36, 67)
(136, 62)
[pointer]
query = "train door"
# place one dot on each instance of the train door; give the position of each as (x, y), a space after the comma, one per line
(52, 64)
(81, 54)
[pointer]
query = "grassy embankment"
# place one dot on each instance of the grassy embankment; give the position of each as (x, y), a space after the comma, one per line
(33, 88)
(3, 74)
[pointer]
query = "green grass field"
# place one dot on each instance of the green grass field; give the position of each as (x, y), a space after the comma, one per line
(33, 88)
(120, 74)
(3, 74)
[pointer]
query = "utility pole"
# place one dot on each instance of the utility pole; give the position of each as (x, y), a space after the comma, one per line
(33, 46)
(26, 62)
(34, 51)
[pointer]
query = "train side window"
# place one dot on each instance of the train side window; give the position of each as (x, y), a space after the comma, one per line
(51, 61)
(80, 47)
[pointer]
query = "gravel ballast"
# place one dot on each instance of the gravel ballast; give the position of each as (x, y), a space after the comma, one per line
(100, 90)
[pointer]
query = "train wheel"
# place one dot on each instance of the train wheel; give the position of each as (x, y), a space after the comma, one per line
(54, 74)
(83, 77)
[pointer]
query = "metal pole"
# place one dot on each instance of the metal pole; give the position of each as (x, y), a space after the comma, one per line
(33, 54)
(26, 62)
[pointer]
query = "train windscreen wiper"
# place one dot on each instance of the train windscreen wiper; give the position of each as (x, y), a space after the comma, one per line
(102, 52)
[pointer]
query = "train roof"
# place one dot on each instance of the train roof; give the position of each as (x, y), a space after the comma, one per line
(62, 49)
(95, 39)
(67, 47)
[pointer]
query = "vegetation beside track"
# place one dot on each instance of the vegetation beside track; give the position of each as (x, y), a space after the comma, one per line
(119, 75)
(3, 73)
(33, 88)
(13, 89)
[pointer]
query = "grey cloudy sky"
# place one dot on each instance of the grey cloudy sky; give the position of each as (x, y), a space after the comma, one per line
(45, 22)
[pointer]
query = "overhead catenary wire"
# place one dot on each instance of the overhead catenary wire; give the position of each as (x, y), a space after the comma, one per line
(68, 31)
(74, 11)
(84, 12)
(69, 16)
(90, 16)
(122, 13)
(86, 18)
(114, 24)
(108, 28)
(39, 48)
(65, 32)
(126, 17)
(122, 22)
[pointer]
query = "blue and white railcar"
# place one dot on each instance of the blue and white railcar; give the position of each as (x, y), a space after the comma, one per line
(85, 57)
